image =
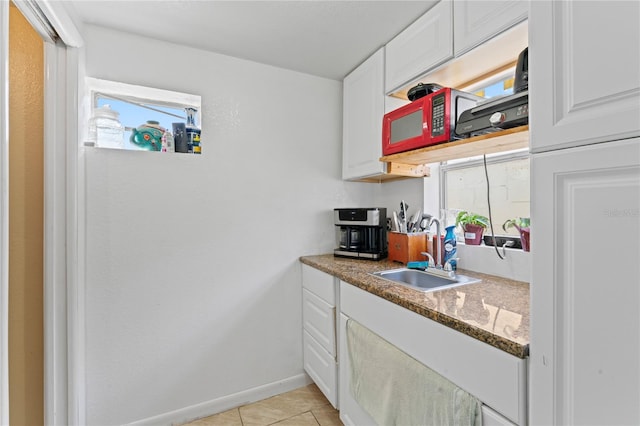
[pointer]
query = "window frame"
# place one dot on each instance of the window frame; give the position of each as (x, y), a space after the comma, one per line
(136, 95)
(476, 161)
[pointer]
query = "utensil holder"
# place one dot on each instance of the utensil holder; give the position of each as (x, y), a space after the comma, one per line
(405, 248)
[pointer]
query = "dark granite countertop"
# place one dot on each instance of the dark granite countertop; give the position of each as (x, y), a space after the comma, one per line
(495, 310)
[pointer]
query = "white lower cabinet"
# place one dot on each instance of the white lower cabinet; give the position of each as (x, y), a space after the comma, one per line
(320, 347)
(351, 413)
(495, 377)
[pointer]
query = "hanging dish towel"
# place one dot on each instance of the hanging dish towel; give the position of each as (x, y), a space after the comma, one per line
(395, 389)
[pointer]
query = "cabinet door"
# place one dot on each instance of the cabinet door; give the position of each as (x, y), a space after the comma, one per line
(583, 67)
(321, 367)
(351, 413)
(423, 45)
(585, 294)
(496, 378)
(319, 319)
(478, 21)
(363, 109)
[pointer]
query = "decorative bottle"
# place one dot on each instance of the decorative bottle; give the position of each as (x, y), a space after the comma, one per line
(450, 250)
(105, 130)
(167, 141)
(193, 132)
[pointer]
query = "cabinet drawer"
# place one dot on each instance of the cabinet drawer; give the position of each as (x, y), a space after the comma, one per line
(321, 367)
(319, 320)
(320, 283)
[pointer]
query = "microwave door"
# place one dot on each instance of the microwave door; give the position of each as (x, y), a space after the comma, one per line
(406, 127)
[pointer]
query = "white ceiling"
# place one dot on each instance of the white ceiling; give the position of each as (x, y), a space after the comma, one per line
(323, 38)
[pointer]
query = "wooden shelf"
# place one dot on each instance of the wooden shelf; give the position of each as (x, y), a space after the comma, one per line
(395, 171)
(505, 140)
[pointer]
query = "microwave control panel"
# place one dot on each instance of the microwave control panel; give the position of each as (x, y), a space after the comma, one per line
(437, 115)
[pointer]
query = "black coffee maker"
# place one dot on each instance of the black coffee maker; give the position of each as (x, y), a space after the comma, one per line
(361, 233)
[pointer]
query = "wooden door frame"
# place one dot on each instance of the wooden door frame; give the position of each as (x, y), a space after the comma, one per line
(64, 365)
(4, 213)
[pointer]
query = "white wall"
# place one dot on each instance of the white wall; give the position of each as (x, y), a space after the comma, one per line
(389, 195)
(192, 279)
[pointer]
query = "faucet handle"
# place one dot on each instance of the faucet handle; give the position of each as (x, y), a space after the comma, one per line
(447, 265)
(432, 262)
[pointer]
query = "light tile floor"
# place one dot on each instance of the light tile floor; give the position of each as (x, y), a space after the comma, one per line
(306, 406)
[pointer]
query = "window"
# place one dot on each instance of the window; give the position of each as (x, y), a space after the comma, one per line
(134, 117)
(498, 84)
(464, 187)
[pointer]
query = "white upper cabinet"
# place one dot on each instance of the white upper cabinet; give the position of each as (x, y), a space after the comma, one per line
(477, 21)
(426, 43)
(585, 340)
(584, 72)
(363, 109)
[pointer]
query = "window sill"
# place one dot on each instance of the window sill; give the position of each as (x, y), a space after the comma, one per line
(516, 264)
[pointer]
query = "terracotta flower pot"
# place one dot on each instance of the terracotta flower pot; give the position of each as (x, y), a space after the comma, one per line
(473, 234)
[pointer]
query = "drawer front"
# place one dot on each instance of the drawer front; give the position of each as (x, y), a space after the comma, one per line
(320, 283)
(319, 320)
(321, 367)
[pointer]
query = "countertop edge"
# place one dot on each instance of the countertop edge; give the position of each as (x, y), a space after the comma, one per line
(352, 277)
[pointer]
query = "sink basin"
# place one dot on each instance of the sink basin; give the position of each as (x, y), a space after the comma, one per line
(424, 281)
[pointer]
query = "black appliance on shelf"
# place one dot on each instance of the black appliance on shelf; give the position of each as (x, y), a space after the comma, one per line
(503, 112)
(361, 233)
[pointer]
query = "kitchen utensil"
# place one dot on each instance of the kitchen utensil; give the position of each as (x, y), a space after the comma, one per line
(421, 89)
(413, 222)
(395, 222)
(404, 207)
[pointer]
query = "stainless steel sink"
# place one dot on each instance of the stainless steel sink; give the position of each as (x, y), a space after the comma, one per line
(424, 280)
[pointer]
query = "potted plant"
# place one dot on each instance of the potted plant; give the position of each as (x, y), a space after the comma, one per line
(522, 224)
(473, 226)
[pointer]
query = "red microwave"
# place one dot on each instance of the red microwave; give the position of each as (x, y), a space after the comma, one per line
(426, 121)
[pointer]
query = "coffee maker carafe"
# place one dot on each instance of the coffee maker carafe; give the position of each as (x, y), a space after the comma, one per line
(361, 233)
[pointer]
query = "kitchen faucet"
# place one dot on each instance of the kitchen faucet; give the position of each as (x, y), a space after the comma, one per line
(447, 268)
(439, 244)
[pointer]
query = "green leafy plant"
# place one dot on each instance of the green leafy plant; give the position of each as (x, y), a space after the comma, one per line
(520, 223)
(469, 218)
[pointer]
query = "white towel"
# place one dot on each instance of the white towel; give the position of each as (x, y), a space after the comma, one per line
(395, 389)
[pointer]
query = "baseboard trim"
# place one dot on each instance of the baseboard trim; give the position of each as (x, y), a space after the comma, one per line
(225, 403)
